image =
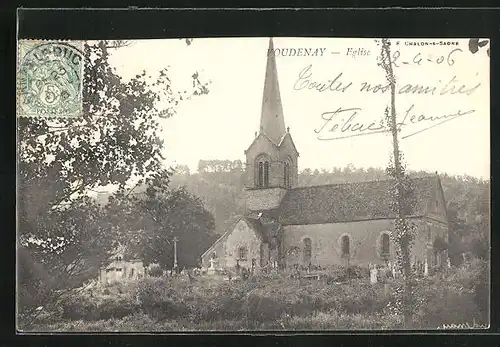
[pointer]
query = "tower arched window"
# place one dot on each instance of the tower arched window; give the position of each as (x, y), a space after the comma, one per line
(307, 252)
(262, 172)
(266, 174)
(345, 246)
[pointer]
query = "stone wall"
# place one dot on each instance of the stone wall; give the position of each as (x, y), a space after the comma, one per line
(364, 240)
(264, 199)
(220, 250)
(227, 248)
(242, 236)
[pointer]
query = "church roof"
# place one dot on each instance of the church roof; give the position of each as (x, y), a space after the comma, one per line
(287, 135)
(350, 201)
(272, 122)
(266, 229)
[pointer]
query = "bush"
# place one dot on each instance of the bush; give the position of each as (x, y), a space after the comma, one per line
(452, 296)
(335, 274)
(35, 285)
(456, 295)
(96, 301)
(155, 271)
(259, 309)
(358, 272)
(161, 298)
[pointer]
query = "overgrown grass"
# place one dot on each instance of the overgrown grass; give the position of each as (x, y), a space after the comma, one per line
(144, 323)
(266, 302)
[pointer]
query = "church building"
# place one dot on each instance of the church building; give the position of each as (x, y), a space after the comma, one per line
(337, 224)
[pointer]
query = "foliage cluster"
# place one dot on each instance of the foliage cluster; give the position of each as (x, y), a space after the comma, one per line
(64, 235)
(280, 302)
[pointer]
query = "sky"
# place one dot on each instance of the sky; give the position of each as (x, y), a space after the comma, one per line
(445, 131)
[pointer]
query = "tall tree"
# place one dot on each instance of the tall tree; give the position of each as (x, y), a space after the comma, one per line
(152, 220)
(61, 159)
(403, 199)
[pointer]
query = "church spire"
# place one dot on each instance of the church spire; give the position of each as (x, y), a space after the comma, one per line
(272, 122)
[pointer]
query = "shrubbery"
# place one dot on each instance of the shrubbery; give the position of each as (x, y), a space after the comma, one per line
(455, 295)
(155, 271)
(95, 302)
(276, 301)
(342, 274)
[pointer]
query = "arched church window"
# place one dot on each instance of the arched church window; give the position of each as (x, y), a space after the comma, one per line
(266, 174)
(307, 250)
(262, 172)
(385, 245)
(345, 246)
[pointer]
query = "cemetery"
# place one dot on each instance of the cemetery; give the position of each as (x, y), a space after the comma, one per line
(212, 298)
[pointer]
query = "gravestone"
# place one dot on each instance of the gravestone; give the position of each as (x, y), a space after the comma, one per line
(426, 268)
(211, 269)
(373, 274)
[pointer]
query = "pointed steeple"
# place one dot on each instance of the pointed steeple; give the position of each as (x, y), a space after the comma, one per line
(272, 122)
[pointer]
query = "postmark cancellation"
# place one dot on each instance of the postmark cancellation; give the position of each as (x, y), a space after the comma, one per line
(49, 78)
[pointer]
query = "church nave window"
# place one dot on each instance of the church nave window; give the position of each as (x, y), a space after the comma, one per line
(385, 245)
(345, 246)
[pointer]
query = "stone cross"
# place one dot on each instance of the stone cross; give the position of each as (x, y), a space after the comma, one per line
(175, 252)
(211, 261)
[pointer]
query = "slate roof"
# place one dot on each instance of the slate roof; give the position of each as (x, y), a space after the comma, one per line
(350, 201)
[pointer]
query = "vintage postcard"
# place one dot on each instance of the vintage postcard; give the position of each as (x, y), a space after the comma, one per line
(253, 184)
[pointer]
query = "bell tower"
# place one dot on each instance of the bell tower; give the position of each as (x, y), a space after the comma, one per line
(271, 159)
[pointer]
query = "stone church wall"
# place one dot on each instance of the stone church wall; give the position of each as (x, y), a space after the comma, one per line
(435, 229)
(364, 237)
(264, 199)
(220, 250)
(227, 249)
(242, 236)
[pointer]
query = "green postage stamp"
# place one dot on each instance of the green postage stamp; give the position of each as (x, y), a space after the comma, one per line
(49, 78)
